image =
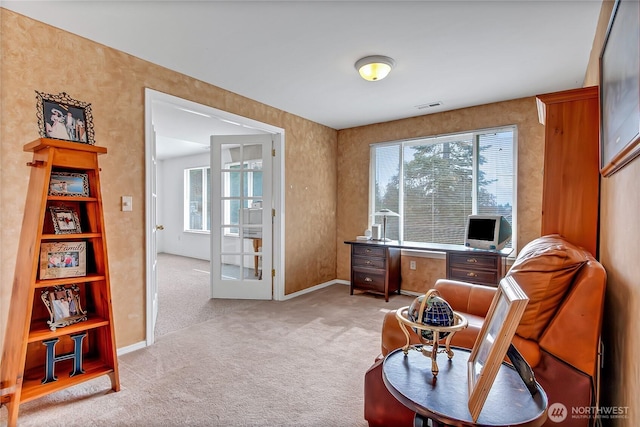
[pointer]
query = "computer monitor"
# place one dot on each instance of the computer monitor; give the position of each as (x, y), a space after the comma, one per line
(487, 232)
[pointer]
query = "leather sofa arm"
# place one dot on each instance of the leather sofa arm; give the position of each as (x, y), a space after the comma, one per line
(392, 335)
(573, 335)
(466, 297)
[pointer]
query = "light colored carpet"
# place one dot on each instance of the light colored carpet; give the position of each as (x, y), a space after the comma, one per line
(299, 362)
(183, 293)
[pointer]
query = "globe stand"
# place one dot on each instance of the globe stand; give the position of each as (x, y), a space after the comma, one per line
(429, 348)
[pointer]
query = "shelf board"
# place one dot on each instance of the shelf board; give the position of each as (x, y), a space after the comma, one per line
(71, 236)
(42, 332)
(32, 387)
(42, 143)
(72, 199)
(69, 280)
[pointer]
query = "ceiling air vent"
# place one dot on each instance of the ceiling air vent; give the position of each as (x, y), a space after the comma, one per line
(429, 105)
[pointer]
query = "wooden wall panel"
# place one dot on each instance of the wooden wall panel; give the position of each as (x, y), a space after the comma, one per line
(618, 249)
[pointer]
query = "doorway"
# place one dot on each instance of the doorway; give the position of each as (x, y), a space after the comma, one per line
(182, 282)
(178, 127)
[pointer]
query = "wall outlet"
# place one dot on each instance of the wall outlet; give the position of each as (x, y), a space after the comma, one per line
(412, 265)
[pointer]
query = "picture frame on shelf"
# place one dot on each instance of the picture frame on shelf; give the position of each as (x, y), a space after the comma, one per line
(490, 348)
(63, 259)
(620, 88)
(65, 220)
(64, 306)
(62, 117)
(69, 184)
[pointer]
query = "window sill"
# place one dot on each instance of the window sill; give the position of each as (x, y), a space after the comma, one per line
(196, 232)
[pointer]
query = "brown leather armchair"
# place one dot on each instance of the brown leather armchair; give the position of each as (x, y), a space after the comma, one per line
(558, 335)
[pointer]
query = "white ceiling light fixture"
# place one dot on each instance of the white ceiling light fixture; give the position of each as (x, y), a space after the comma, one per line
(374, 68)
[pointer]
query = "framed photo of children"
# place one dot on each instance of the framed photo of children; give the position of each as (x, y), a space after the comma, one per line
(63, 259)
(64, 306)
(62, 117)
(65, 220)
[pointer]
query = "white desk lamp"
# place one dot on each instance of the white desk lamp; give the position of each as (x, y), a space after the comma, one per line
(384, 213)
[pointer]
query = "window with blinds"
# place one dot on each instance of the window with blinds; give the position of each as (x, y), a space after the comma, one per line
(434, 183)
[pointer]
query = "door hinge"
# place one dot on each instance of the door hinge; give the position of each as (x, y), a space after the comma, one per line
(273, 152)
(273, 212)
(273, 272)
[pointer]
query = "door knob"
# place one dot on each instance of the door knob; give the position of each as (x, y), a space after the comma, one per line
(159, 227)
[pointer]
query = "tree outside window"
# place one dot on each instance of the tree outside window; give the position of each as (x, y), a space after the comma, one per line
(435, 183)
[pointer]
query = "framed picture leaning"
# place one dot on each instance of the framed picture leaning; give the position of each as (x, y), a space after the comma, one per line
(490, 348)
(620, 88)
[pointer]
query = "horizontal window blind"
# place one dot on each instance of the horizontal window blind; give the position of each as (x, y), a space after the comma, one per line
(435, 183)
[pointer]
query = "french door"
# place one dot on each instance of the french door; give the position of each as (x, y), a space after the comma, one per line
(241, 216)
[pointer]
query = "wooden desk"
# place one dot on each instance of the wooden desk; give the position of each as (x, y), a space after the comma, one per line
(444, 401)
(481, 266)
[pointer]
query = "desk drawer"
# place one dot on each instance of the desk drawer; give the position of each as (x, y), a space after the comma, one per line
(364, 278)
(474, 276)
(370, 251)
(473, 261)
(370, 262)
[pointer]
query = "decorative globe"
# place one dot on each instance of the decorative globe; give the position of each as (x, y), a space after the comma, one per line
(436, 312)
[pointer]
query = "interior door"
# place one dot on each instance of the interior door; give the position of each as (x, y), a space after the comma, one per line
(241, 216)
(152, 253)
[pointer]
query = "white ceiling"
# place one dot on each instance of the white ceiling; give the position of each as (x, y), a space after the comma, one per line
(299, 56)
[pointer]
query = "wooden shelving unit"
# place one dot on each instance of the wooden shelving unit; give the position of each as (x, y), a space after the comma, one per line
(571, 187)
(25, 355)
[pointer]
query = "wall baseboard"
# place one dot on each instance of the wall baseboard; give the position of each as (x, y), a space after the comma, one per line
(131, 348)
(316, 288)
(411, 293)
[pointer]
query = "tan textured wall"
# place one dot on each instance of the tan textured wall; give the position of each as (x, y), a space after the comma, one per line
(619, 249)
(353, 172)
(427, 271)
(311, 205)
(39, 57)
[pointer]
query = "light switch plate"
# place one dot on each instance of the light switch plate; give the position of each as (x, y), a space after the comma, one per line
(127, 203)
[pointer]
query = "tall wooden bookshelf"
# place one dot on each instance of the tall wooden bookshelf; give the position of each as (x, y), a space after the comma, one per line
(27, 357)
(571, 184)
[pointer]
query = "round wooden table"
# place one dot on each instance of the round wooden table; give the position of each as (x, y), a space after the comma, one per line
(445, 399)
